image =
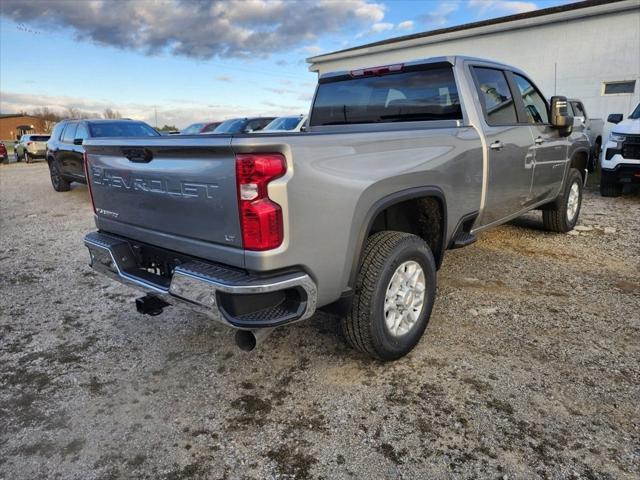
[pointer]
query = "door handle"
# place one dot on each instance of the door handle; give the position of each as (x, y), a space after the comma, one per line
(539, 141)
(497, 145)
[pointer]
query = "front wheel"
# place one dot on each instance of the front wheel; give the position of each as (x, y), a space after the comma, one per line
(395, 292)
(564, 214)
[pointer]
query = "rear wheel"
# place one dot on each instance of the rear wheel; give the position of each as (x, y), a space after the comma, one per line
(395, 291)
(565, 212)
(59, 183)
(27, 157)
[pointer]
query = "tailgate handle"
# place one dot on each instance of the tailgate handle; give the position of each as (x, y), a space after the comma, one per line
(138, 155)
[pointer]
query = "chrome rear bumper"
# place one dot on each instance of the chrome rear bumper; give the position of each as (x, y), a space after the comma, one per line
(215, 290)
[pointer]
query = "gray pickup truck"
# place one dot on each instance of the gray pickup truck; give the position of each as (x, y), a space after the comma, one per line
(397, 164)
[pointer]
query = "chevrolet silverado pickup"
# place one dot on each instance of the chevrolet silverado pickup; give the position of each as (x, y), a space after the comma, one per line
(397, 164)
(621, 154)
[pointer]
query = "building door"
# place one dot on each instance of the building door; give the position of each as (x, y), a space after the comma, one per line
(510, 151)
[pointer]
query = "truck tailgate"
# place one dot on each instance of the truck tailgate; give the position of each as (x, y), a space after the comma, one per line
(180, 188)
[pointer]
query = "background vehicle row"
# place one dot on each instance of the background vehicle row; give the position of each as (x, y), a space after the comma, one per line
(65, 151)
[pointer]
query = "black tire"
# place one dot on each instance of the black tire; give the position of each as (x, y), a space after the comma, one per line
(609, 188)
(16, 155)
(365, 327)
(27, 157)
(59, 183)
(556, 218)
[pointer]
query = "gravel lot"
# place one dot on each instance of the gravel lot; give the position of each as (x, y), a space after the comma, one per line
(529, 368)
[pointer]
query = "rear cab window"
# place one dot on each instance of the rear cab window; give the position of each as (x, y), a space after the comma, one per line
(121, 129)
(415, 93)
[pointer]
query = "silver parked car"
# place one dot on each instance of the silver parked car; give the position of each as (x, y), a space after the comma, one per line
(31, 146)
(286, 124)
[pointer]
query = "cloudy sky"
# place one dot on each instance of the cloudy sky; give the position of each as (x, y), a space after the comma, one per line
(192, 60)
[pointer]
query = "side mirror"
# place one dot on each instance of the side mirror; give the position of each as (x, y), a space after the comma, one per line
(560, 117)
(614, 118)
(77, 141)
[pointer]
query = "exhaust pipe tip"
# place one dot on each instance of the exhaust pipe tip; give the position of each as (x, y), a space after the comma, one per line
(246, 340)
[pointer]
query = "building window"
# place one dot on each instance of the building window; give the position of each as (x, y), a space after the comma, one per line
(617, 88)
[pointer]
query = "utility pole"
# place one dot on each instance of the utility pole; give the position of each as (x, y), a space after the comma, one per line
(155, 109)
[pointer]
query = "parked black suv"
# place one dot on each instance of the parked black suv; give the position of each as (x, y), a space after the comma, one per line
(243, 125)
(65, 151)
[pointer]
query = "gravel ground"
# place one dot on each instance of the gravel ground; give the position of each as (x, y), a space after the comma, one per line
(529, 368)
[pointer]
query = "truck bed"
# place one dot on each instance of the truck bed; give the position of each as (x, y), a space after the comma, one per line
(184, 197)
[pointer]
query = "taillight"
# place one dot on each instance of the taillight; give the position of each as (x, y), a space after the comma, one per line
(29, 143)
(260, 217)
(85, 163)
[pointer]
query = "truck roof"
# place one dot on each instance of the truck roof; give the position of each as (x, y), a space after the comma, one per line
(452, 59)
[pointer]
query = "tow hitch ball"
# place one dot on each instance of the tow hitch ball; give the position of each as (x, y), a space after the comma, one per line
(150, 305)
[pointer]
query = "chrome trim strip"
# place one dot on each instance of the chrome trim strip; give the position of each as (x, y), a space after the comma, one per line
(193, 291)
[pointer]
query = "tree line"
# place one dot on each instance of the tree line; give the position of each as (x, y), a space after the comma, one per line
(51, 117)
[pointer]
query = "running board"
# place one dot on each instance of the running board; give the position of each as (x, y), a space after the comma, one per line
(463, 239)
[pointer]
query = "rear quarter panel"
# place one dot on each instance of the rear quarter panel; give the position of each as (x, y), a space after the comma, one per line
(334, 180)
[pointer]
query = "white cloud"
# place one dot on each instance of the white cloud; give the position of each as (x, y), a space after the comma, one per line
(313, 49)
(203, 29)
(172, 112)
(381, 27)
(224, 78)
(503, 6)
(406, 25)
(439, 16)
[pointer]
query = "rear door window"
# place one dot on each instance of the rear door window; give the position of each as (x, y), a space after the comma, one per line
(69, 133)
(414, 94)
(495, 95)
(82, 131)
(57, 131)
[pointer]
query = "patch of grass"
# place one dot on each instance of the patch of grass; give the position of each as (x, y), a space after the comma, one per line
(292, 464)
(391, 454)
(500, 406)
(478, 385)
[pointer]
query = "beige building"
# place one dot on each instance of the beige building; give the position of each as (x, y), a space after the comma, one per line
(588, 50)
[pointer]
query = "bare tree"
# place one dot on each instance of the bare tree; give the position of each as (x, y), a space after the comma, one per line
(49, 116)
(111, 114)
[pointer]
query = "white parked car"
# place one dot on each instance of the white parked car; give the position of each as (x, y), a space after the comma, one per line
(620, 159)
(286, 124)
(31, 146)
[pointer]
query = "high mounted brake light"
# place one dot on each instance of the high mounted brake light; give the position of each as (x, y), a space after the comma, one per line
(382, 70)
(260, 217)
